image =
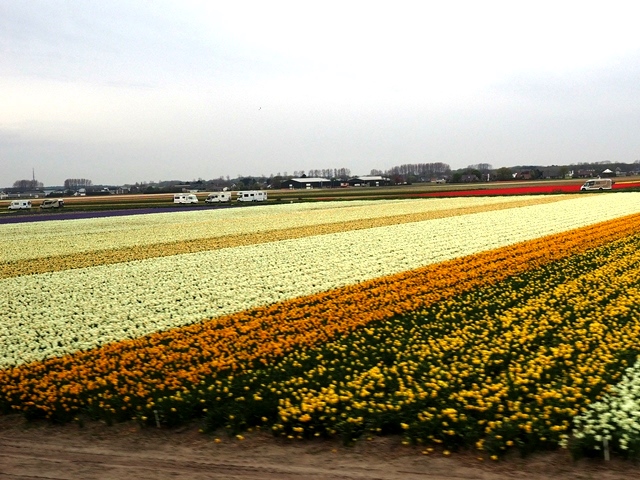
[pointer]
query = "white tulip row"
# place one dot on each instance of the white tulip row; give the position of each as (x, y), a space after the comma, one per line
(614, 418)
(51, 238)
(56, 313)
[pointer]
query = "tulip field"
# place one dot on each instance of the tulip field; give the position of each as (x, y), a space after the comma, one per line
(487, 323)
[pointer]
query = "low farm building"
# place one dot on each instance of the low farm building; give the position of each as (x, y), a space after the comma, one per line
(307, 182)
(369, 181)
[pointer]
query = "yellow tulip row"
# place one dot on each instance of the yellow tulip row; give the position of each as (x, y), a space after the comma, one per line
(510, 364)
(138, 376)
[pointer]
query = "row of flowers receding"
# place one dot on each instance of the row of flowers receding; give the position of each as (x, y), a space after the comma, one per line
(508, 365)
(523, 190)
(471, 356)
(205, 231)
(61, 312)
(183, 232)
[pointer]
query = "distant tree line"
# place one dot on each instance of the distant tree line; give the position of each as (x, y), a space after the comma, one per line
(423, 170)
(481, 167)
(25, 185)
(75, 183)
(405, 173)
(324, 173)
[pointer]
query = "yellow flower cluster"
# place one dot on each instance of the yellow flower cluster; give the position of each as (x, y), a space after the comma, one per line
(510, 364)
(498, 349)
(136, 377)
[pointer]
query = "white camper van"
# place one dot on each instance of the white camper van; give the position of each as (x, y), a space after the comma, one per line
(52, 203)
(218, 197)
(252, 196)
(185, 198)
(20, 205)
(597, 184)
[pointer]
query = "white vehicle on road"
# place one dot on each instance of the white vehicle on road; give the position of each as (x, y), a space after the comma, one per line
(20, 205)
(252, 196)
(597, 184)
(218, 197)
(52, 203)
(185, 198)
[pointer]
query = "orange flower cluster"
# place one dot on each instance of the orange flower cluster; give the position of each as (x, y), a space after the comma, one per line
(510, 364)
(128, 378)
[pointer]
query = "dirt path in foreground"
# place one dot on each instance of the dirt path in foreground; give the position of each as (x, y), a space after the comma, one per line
(42, 451)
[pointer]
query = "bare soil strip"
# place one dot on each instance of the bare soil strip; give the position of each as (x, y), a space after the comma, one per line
(45, 451)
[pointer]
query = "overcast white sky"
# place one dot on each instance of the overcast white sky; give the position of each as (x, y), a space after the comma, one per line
(124, 91)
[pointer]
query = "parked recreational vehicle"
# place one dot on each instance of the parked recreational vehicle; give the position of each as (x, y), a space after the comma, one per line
(20, 205)
(218, 197)
(52, 203)
(252, 196)
(597, 184)
(185, 198)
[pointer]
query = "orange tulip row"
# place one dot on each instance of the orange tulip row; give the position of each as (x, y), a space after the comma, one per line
(503, 365)
(127, 378)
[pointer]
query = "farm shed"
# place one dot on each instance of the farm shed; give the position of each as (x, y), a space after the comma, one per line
(369, 181)
(307, 182)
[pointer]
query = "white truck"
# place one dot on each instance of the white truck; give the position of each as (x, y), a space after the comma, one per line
(218, 197)
(597, 184)
(252, 196)
(185, 198)
(19, 205)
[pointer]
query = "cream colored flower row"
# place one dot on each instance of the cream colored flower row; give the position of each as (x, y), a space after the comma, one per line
(52, 238)
(615, 417)
(56, 313)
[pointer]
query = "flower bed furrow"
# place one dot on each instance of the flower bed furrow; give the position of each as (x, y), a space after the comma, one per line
(58, 313)
(160, 370)
(64, 255)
